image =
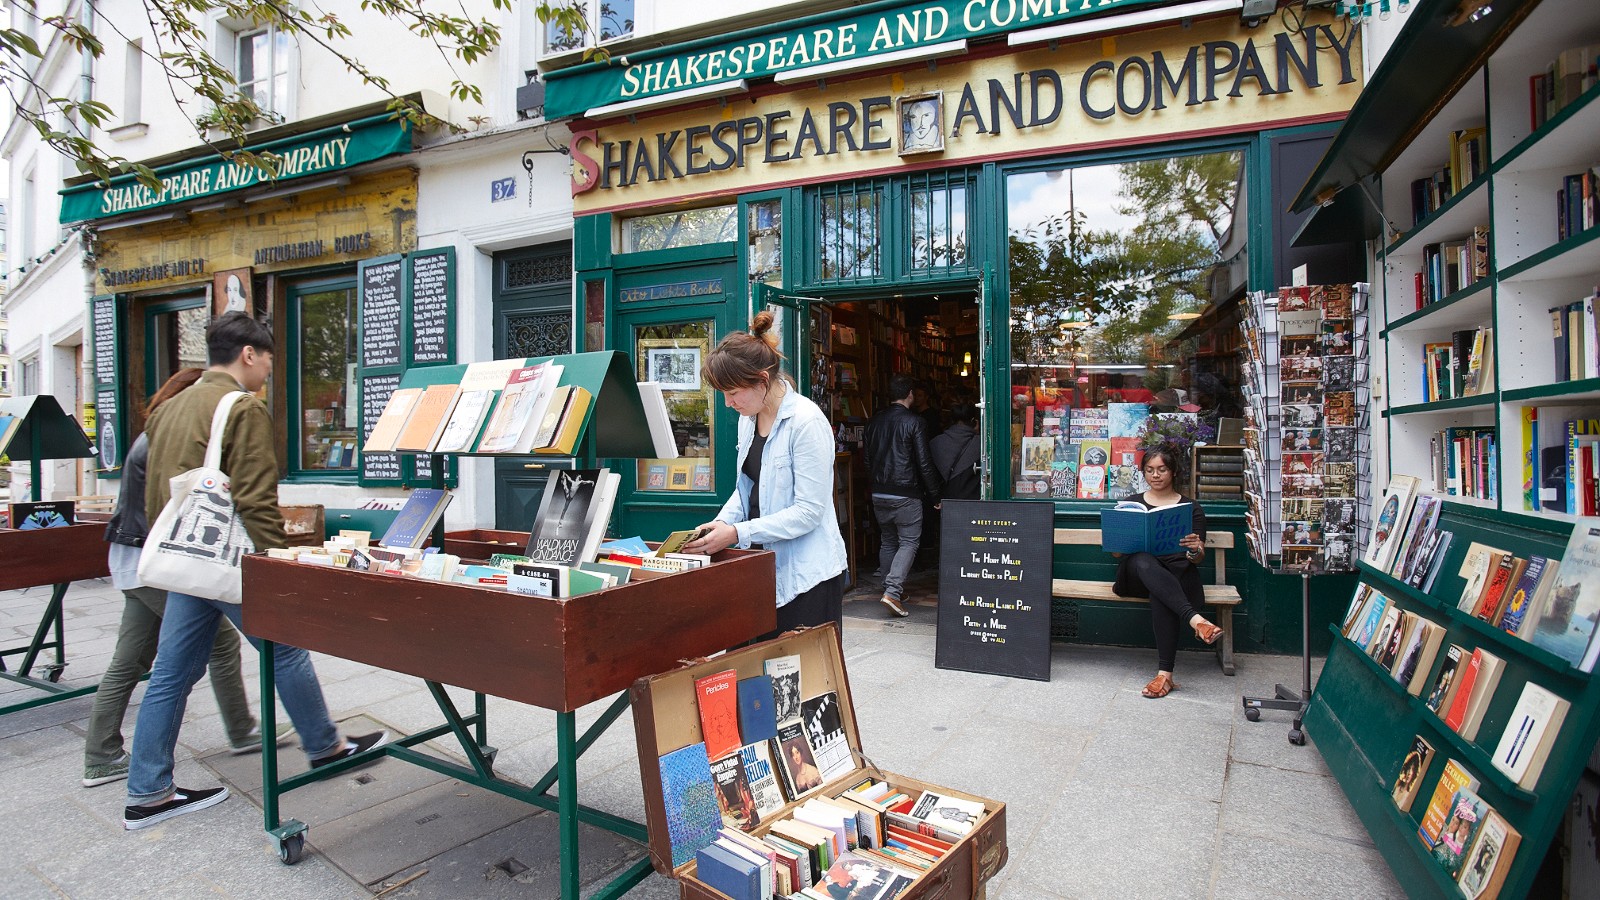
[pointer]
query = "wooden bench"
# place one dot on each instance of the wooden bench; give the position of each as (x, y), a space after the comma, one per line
(95, 503)
(1221, 596)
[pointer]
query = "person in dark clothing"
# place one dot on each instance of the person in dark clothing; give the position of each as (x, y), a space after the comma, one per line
(956, 454)
(901, 473)
(1172, 582)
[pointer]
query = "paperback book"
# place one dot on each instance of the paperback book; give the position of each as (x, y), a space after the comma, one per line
(42, 514)
(689, 792)
(1412, 768)
(572, 516)
(718, 700)
(825, 732)
(1566, 622)
(1131, 527)
(799, 771)
(1454, 778)
(1530, 733)
(785, 674)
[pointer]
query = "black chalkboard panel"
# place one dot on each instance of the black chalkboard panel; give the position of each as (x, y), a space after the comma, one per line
(433, 286)
(381, 283)
(994, 588)
(105, 339)
(375, 391)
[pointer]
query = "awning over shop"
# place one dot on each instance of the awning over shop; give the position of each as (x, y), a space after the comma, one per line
(1349, 216)
(1430, 60)
(836, 40)
(315, 153)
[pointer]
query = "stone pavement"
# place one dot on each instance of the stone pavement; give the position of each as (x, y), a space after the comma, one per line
(1108, 794)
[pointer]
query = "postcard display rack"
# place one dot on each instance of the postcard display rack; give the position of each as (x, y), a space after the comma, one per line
(666, 720)
(556, 654)
(1306, 446)
(47, 556)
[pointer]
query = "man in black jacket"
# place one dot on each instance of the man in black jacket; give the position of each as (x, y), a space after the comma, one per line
(901, 471)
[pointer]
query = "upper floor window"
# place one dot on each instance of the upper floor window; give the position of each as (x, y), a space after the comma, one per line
(262, 68)
(605, 21)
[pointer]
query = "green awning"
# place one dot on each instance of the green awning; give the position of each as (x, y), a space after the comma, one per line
(317, 153)
(1350, 216)
(1429, 61)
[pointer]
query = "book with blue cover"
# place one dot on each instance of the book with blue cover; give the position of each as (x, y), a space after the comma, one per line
(415, 522)
(757, 719)
(1132, 528)
(690, 794)
(726, 871)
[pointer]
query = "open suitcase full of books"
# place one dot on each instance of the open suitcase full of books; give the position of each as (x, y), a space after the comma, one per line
(805, 800)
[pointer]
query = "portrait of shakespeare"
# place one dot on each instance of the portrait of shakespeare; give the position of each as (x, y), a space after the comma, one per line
(921, 123)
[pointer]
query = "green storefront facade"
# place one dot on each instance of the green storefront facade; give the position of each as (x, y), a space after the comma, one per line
(1006, 242)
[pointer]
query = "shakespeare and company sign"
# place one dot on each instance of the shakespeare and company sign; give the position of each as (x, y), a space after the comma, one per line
(1214, 77)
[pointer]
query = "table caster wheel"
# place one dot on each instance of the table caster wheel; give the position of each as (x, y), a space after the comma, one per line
(291, 849)
(1252, 714)
(53, 674)
(1297, 737)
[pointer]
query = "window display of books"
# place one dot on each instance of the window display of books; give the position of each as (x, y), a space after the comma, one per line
(1306, 426)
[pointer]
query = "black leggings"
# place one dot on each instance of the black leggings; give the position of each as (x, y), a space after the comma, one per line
(1169, 605)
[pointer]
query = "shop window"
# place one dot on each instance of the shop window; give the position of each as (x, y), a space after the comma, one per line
(765, 251)
(672, 355)
(849, 220)
(1124, 318)
(604, 21)
(686, 228)
(326, 416)
(938, 222)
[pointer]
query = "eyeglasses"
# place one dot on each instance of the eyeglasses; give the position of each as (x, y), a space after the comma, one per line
(1158, 471)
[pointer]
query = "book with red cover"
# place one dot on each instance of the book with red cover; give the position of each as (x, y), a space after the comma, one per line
(718, 698)
(1493, 597)
(1465, 680)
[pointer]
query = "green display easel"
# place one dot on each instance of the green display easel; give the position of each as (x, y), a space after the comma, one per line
(55, 556)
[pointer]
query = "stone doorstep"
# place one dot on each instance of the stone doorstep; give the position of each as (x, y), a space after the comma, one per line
(383, 822)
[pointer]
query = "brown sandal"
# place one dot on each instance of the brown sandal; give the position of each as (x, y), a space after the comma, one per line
(1160, 686)
(1207, 632)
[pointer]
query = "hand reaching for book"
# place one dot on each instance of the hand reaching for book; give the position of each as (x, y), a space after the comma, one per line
(712, 537)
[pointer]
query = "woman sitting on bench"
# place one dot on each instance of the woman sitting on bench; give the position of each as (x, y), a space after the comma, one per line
(1172, 582)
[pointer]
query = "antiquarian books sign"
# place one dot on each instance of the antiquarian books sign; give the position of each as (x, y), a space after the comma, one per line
(994, 587)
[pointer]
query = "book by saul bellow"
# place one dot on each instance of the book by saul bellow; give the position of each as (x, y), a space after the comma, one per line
(1132, 528)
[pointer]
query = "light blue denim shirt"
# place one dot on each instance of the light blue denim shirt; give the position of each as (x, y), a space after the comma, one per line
(798, 523)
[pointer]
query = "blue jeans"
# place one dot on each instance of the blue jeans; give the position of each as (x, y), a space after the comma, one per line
(188, 630)
(900, 531)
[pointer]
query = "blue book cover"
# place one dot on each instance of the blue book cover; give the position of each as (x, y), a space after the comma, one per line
(415, 520)
(728, 872)
(758, 721)
(633, 546)
(693, 818)
(1131, 528)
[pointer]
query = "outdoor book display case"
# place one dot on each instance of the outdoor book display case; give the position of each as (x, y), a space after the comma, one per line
(666, 720)
(47, 556)
(557, 654)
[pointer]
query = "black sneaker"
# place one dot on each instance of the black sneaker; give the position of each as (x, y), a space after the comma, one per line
(352, 746)
(182, 801)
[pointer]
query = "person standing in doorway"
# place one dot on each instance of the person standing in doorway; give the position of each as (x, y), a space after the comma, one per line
(901, 473)
(240, 350)
(956, 454)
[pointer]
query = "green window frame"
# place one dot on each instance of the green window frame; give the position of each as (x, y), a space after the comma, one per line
(336, 431)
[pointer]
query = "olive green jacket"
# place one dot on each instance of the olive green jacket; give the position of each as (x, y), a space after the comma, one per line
(178, 432)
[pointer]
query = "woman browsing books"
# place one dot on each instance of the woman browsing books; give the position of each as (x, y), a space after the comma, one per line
(1171, 581)
(783, 500)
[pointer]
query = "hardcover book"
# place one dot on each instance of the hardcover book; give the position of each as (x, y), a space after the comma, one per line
(1530, 733)
(428, 419)
(728, 872)
(393, 419)
(825, 733)
(572, 515)
(1454, 778)
(1133, 528)
(757, 721)
(1489, 858)
(785, 674)
(42, 514)
(693, 818)
(1412, 768)
(718, 699)
(414, 524)
(1566, 620)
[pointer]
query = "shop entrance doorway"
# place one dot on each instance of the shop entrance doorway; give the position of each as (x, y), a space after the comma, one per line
(855, 347)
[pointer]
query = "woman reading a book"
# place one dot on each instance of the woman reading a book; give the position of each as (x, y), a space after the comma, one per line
(783, 498)
(1171, 581)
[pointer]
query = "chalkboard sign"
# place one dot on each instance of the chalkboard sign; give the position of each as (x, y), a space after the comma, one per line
(381, 284)
(433, 286)
(375, 391)
(994, 588)
(108, 421)
(105, 339)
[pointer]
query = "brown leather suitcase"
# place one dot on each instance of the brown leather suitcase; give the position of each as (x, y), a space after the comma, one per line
(666, 718)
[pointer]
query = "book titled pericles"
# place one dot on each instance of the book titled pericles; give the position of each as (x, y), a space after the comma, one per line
(1530, 733)
(1133, 528)
(567, 516)
(718, 699)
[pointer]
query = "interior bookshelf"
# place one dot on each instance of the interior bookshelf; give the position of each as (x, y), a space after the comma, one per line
(1530, 269)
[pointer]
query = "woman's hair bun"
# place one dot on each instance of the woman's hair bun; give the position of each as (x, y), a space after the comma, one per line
(761, 327)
